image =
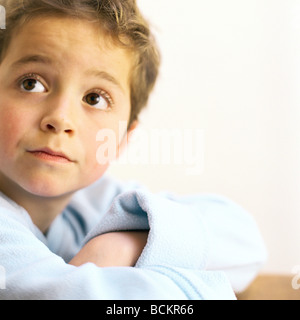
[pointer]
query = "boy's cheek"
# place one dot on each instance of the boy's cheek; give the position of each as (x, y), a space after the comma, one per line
(92, 171)
(13, 127)
(10, 125)
(98, 158)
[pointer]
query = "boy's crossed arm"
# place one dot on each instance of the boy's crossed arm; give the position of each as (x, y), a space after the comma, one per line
(200, 232)
(114, 249)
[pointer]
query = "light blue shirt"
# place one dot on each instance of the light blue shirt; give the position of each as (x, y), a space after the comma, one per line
(199, 247)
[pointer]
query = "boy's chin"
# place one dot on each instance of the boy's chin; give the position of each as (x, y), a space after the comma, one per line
(53, 186)
(49, 191)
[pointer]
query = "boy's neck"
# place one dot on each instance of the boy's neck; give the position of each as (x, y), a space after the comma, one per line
(42, 210)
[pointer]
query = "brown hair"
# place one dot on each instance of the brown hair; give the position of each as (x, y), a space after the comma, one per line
(120, 19)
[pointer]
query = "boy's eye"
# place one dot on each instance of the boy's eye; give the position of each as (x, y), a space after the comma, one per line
(96, 100)
(93, 99)
(32, 85)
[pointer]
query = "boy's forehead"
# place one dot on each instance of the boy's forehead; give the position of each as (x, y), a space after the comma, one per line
(66, 40)
(66, 34)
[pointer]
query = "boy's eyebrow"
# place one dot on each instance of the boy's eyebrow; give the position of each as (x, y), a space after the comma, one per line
(30, 59)
(46, 60)
(105, 75)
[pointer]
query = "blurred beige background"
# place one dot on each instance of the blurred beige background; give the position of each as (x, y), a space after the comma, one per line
(230, 83)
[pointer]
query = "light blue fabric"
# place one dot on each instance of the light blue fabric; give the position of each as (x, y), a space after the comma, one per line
(199, 247)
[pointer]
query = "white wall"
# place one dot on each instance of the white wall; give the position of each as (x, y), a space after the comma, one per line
(231, 71)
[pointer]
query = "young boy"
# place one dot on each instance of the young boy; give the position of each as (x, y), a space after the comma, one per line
(69, 69)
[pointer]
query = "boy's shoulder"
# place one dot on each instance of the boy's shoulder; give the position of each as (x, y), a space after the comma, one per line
(14, 217)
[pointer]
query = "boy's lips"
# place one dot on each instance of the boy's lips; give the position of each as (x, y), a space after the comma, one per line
(49, 154)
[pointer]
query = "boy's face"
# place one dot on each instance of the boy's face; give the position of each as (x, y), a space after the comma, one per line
(61, 82)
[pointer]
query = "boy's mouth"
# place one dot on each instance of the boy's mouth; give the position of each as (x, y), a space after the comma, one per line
(48, 154)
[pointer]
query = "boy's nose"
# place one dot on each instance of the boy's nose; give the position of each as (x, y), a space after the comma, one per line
(58, 119)
(56, 126)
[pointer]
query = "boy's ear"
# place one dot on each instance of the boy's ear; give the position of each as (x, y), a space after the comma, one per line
(126, 138)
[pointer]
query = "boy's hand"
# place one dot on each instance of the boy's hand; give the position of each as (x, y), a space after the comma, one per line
(113, 249)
